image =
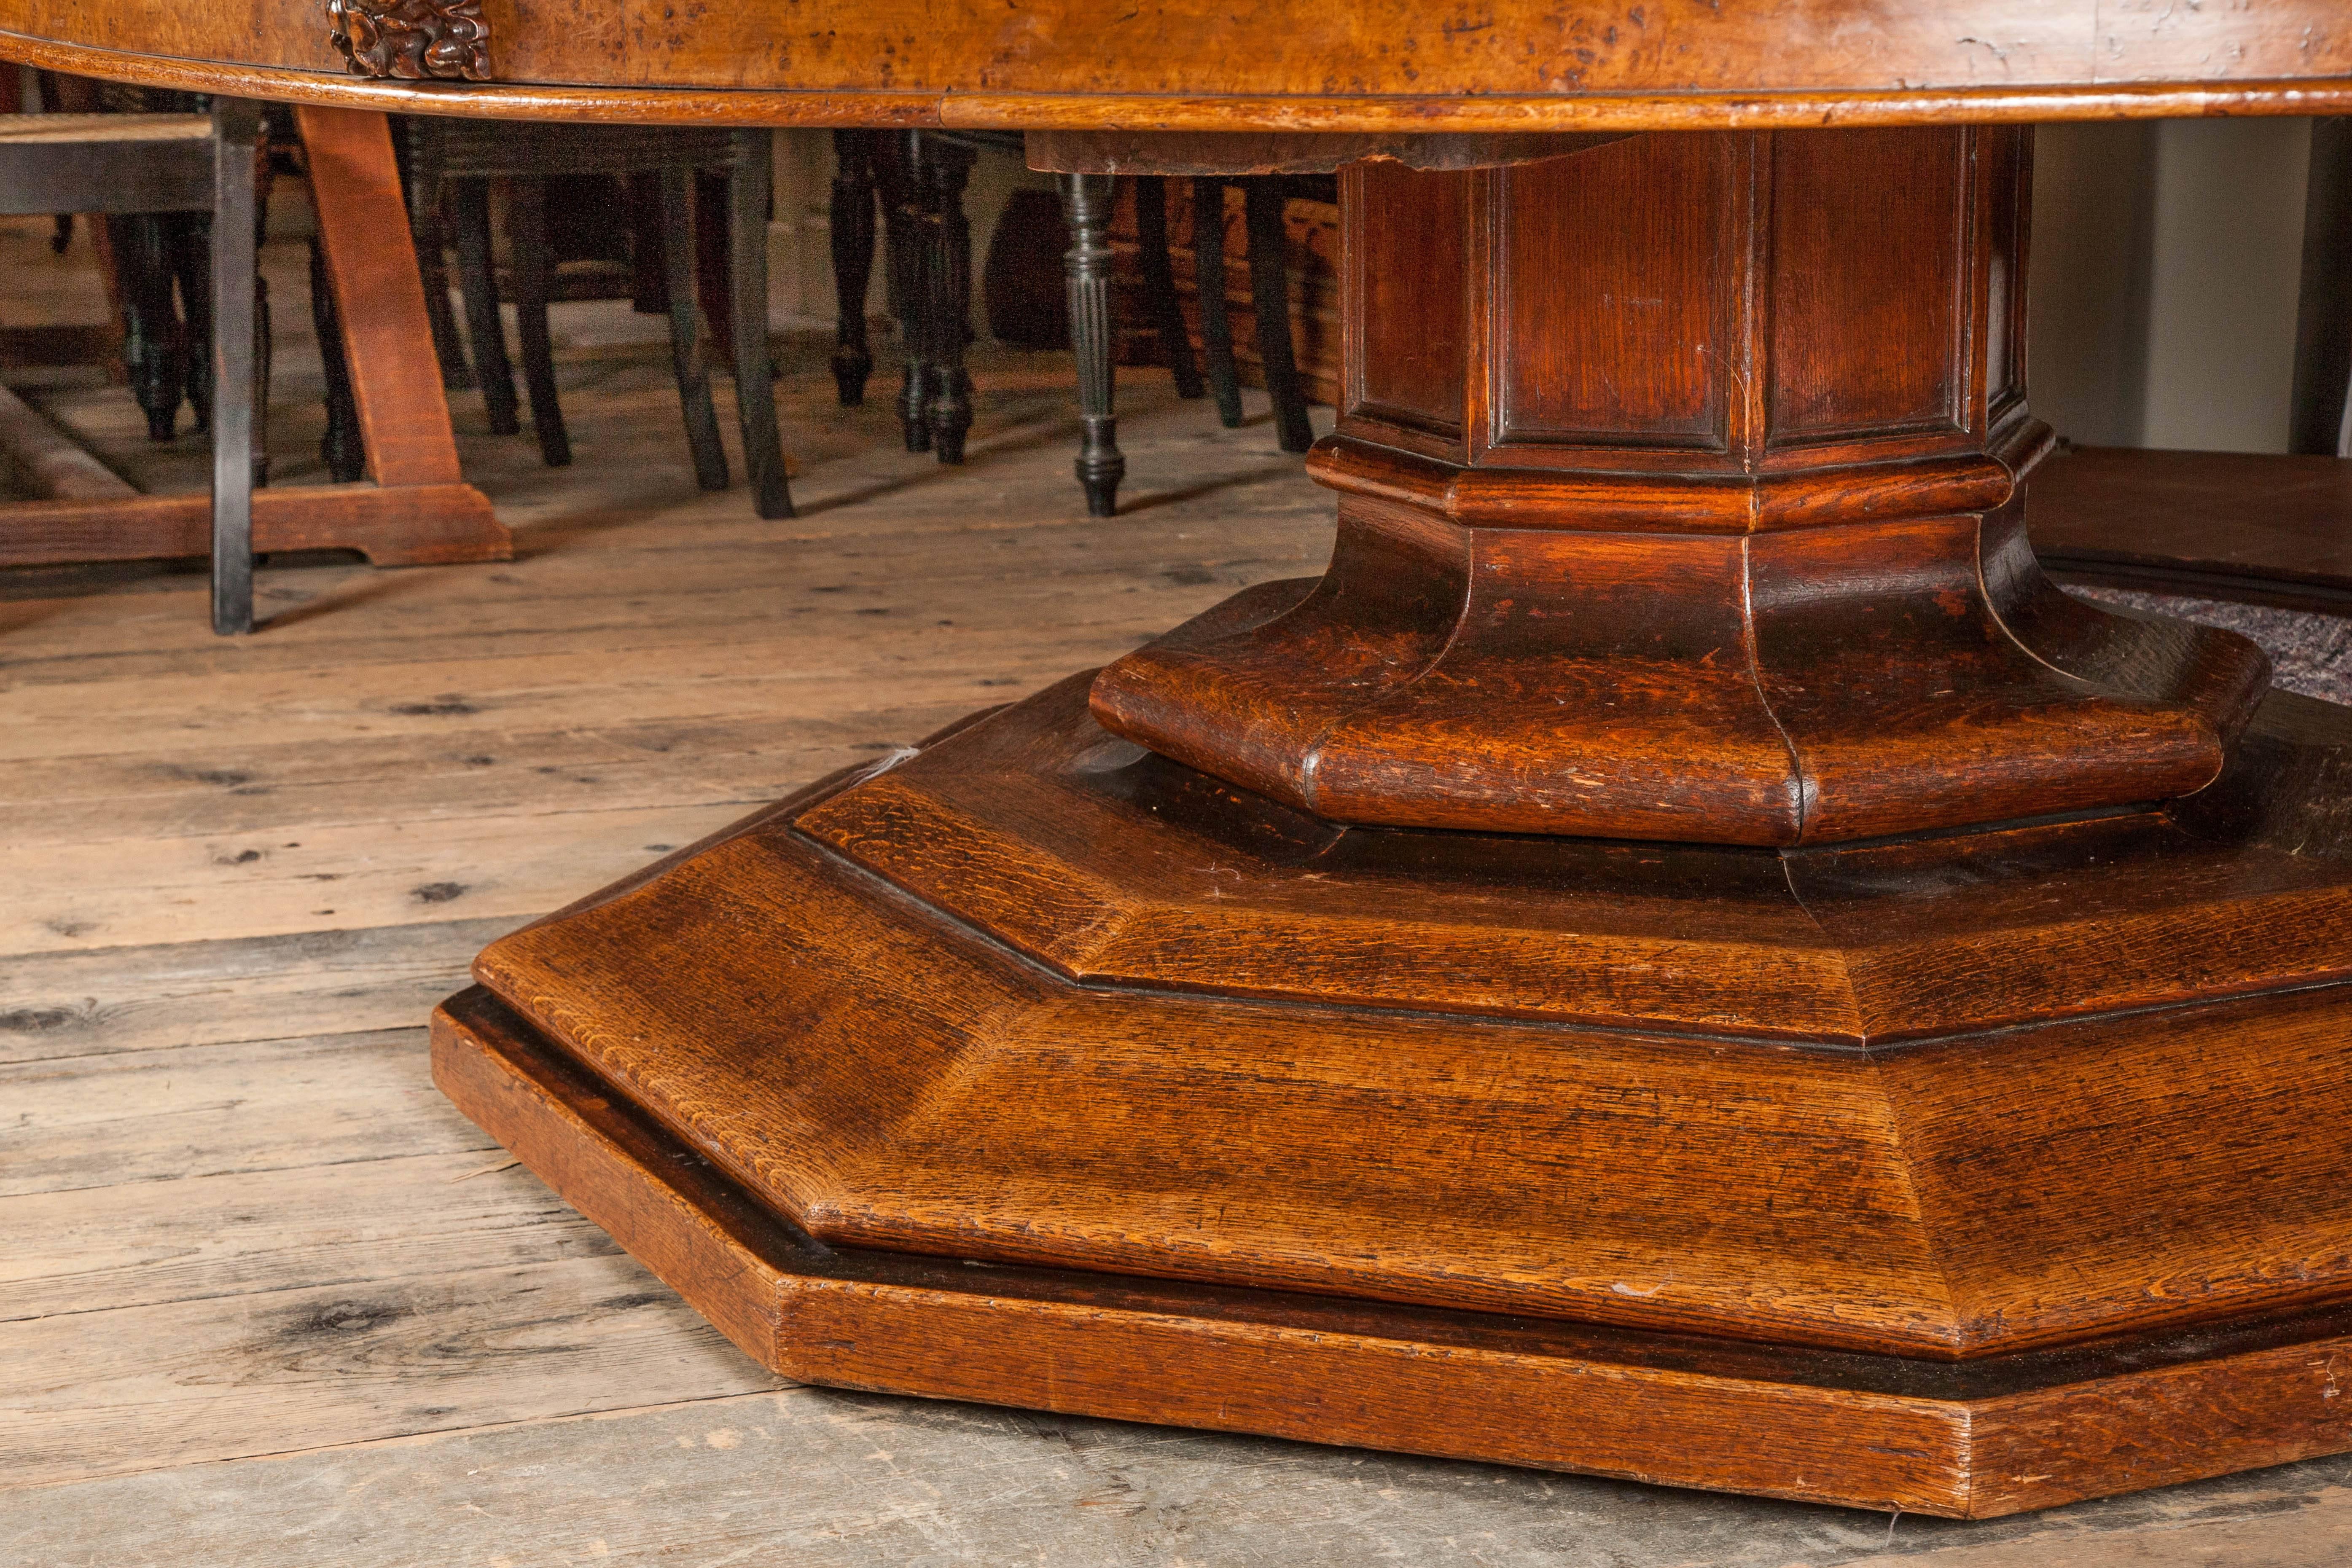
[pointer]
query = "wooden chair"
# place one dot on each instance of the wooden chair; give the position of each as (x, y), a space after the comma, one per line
(176, 163)
(919, 179)
(469, 154)
(158, 265)
(1263, 196)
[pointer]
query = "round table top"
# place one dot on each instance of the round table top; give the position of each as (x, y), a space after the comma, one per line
(1482, 66)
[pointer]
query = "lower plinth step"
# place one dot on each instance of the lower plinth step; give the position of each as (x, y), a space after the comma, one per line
(1969, 1439)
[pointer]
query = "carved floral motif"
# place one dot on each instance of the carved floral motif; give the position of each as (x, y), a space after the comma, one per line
(417, 41)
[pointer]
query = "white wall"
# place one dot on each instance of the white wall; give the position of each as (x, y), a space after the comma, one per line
(800, 250)
(2221, 300)
(2087, 278)
(2163, 275)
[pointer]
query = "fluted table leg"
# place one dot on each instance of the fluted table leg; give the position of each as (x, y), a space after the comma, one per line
(1086, 200)
(947, 166)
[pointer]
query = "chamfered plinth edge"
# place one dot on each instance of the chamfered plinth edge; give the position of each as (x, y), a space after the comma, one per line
(1968, 1440)
(1038, 996)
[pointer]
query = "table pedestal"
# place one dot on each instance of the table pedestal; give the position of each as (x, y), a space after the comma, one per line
(1681, 956)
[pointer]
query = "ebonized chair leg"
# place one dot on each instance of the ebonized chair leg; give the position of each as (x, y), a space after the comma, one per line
(197, 279)
(649, 256)
(1270, 297)
(265, 366)
(430, 237)
(534, 279)
(469, 203)
(151, 331)
(1209, 278)
(713, 198)
(947, 167)
(188, 245)
(237, 128)
(1159, 283)
(1086, 202)
(686, 346)
(750, 187)
(908, 231)
(191, 239)
(448, 343)
(340, 448)
(852, 260)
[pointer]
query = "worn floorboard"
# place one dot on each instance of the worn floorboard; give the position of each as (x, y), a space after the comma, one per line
(266, 1298)
(205, 992)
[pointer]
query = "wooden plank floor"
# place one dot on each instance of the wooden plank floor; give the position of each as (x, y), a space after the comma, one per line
(266, 1300)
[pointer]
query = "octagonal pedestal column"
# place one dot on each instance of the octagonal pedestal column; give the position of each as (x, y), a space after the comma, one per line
(1681, 499)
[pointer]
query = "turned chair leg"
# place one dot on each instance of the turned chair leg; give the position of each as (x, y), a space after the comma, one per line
(231, 269)
(478, 279)
(1270, 297)
(340, 448)
(430, 239)
(1085, 202)
(686, 346)
(188, 250)
(853, 261)
(151, 331)
(750, 189)
(1159, 283)
(907, 233)
(947, 166)
(534, 280)
(1208, 280)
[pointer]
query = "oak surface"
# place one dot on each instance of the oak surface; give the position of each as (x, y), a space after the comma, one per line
(2222, 525)
(1993, 1439)
(1471, 1108)
(1681, 483)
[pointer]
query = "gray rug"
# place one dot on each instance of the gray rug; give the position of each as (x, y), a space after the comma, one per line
(2311, 651)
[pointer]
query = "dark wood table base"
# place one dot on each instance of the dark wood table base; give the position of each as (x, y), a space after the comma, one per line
(1683, 871)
